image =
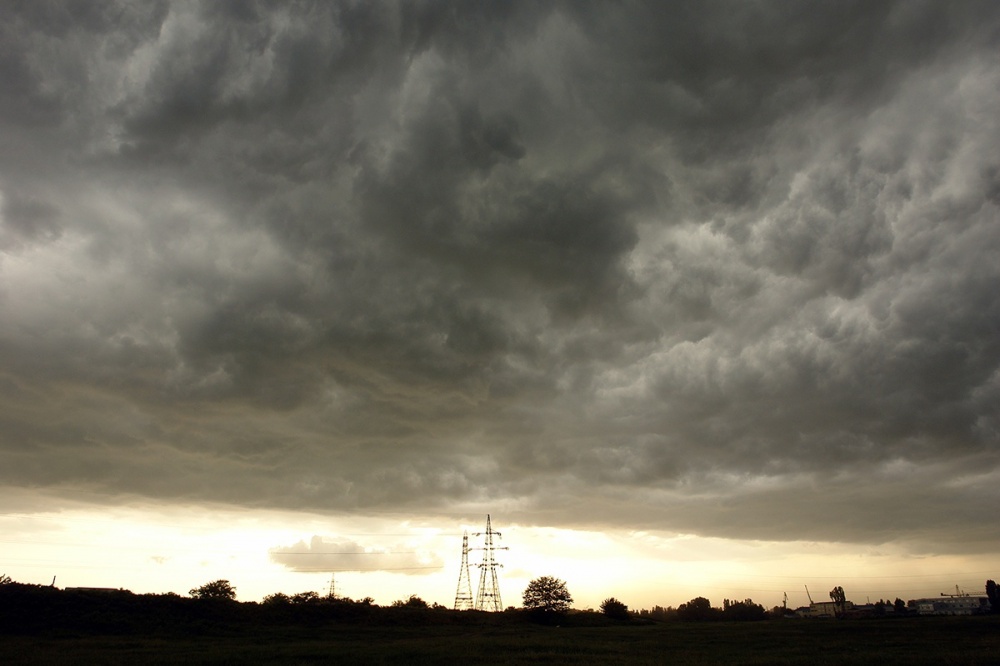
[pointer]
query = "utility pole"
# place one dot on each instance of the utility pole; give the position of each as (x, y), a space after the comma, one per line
(488, 597)
(463, 595)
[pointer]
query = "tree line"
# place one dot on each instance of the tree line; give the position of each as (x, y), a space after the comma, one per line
(546, 600)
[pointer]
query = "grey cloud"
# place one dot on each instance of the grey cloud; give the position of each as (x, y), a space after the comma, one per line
(830, 231)
(27, 220)
(50, 52)
(717, 70)
(329, 554)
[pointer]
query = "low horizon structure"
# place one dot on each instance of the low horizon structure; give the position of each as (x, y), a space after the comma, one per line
(953, 605)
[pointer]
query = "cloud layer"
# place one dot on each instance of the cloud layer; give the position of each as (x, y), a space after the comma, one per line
(684, 266)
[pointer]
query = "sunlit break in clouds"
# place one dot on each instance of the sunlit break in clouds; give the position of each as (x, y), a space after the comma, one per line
(692, 298)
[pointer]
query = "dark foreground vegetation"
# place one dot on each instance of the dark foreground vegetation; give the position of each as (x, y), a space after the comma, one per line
(40, 625)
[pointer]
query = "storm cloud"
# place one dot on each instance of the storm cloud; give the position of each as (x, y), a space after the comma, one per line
(722, 269)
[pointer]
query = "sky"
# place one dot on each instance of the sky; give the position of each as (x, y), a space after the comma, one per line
(693, 298)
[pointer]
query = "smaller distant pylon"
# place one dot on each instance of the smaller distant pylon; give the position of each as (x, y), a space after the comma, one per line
(463, 596)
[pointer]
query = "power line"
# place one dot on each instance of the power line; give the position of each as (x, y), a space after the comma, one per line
(849, 577)
(360, 552)
(106, 548)
(856, 588)
(356, 570)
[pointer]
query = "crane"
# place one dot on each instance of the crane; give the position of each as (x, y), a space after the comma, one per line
(809, 595)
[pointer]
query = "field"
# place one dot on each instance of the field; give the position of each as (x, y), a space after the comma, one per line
(929, 640)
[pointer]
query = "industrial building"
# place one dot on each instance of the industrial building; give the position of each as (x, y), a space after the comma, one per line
(953, 605)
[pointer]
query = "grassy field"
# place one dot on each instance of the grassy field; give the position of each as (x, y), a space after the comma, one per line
(938, 641)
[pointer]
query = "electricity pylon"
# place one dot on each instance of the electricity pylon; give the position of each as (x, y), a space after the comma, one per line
(463, 596)
(488, 597)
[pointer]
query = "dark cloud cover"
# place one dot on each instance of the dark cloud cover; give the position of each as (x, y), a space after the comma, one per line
(729, 269)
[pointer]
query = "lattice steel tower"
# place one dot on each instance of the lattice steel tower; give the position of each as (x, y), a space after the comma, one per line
(488, 598)
(463, 596)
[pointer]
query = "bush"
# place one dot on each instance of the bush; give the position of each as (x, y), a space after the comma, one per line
(742, 611)
(413, 602)
(698, 609)
(217, 589)
(614, 609)
(276, 599)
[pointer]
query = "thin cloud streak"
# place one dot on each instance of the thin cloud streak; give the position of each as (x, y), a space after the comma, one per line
(321, 554)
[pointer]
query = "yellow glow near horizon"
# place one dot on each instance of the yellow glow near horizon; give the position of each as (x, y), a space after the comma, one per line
(174, 550)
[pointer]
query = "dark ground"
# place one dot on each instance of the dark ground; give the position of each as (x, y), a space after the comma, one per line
(47, 626)
(816, 642)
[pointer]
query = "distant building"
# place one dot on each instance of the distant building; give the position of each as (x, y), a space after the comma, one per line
(957, 605)
(822, 609)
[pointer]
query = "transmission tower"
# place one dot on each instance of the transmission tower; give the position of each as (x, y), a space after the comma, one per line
(488, 597)
(463, 596)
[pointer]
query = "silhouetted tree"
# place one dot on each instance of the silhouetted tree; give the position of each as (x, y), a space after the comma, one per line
(742, 611)
(547, 594)
(658, 613)
(993, 594)
(839, 600)
(276, 599)
(614, 609)
(217, 589)
(309, 597)
(698, 609)
(413, 602)
(899, 606)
